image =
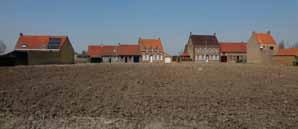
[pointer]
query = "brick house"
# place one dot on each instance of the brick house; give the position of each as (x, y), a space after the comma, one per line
(203, 48)
(261, 47)
(152, 50)
(234, 52)
(122, 53)
(45, 49)
(286, 56)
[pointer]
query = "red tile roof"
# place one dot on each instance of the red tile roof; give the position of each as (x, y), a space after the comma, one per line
(101, 50)
(288, 52)
(110, 50)
(150, 43)
(233, 47)
(128, 50)
(184, 54)
(37, 42)
(265, 38)
(94, 50)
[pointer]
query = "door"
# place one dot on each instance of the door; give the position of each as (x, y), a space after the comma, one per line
(151, 59)
(223, 59)
(238, 59)
(125, 58)
(136, 59)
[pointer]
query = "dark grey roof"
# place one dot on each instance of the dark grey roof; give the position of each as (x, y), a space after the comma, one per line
(203, 39)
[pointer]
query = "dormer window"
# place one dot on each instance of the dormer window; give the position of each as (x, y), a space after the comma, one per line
(271, 47)
(24, 46)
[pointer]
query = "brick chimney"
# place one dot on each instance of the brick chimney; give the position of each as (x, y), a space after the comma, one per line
(268, 32)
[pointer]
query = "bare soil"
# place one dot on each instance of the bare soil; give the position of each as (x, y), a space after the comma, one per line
(149, 96)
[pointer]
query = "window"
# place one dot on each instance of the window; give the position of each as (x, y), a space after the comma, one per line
(271, 47)
(147, 57)
(54, 43)
(157, 57)
(160, 57)
(24, 46)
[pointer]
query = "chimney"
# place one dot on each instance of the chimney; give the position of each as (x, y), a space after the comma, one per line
(190, 33)
(253, 32)
(158, 38)
(268, 32)
(214, 34)
(119, 44)
(21, 34)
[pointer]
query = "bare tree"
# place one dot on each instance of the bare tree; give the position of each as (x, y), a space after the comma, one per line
(295, 45)
(84, 53)
(281, 44)
(2, 47)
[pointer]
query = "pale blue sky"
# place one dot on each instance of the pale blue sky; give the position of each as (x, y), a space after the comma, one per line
(113, 21)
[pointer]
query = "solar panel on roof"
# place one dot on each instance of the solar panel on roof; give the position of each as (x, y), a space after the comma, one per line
(54, 43)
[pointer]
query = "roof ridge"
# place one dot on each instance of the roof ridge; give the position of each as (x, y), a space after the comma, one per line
(149, 39)
(44, 36)
(233, 42)
(202, 35)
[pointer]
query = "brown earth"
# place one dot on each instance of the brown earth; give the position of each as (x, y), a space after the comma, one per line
(132, 96)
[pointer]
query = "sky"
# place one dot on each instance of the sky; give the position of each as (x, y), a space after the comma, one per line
(91, 22)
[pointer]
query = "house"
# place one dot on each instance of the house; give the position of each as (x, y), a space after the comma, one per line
(203, 48)
(129, 53)
(102, 53)
(234, 52)
(45, 49)
(184, 56)
(261, 47)
(122, 53)
(286, 56)
(151, 50)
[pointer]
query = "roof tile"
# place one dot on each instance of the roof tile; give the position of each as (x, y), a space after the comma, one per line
(236, 47)
(37, 42)
(265, 38)
(288, 52)
(150, 43)
(113, 50)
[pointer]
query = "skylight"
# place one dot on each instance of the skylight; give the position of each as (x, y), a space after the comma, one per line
(54, 43)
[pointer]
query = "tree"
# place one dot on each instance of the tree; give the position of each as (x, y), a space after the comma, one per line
(281, 44)
(84, 53)
(2, 47)
(295, 45)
